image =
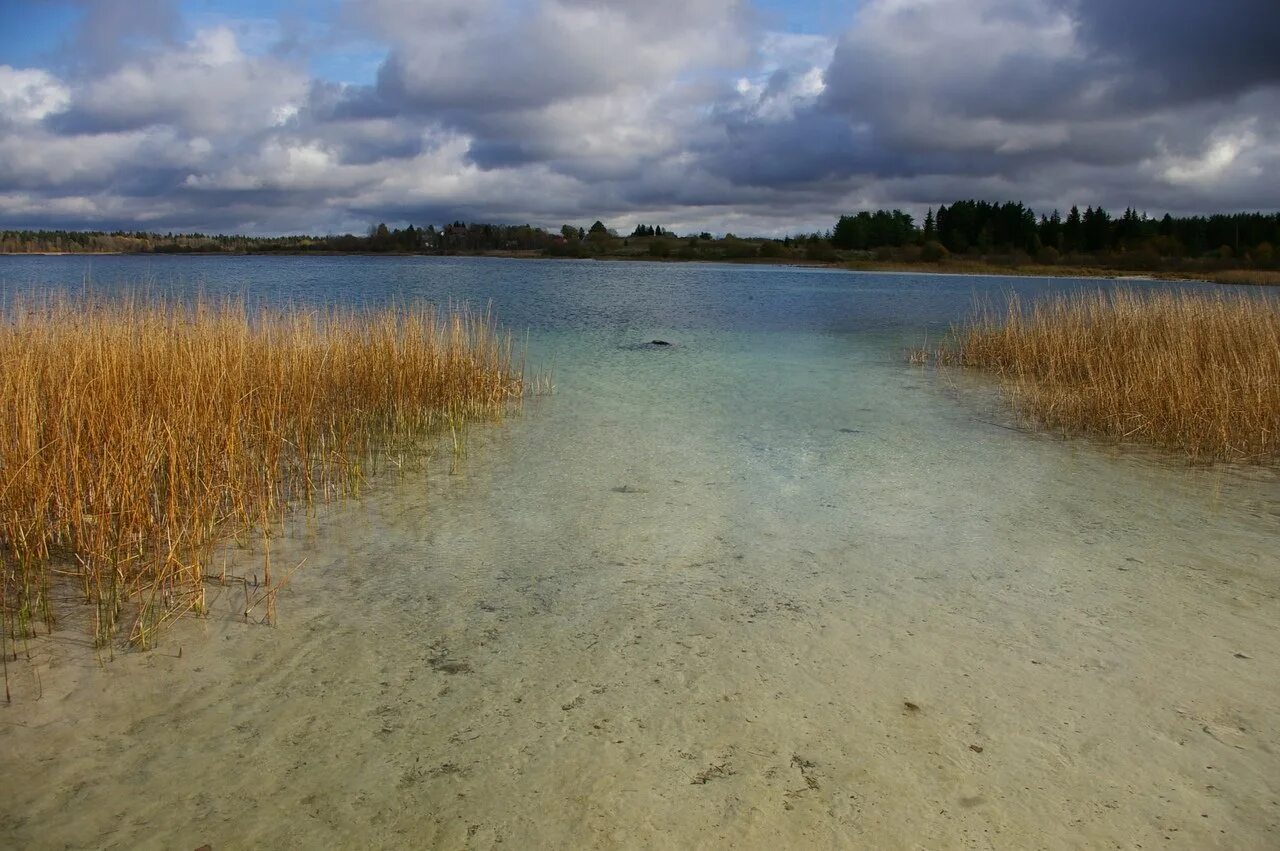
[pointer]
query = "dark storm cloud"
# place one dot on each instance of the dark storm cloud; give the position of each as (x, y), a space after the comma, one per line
(817, 145)
(1178, 50)
(1098, 99)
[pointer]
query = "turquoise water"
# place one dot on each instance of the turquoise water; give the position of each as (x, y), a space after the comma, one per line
(684, 600)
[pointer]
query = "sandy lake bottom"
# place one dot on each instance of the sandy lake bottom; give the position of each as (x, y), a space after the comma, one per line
(766, 589)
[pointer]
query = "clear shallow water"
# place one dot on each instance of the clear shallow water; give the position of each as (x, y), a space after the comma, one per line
(733, 561)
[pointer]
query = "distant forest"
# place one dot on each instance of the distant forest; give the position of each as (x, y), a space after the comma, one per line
(995, 233)
(984, 227)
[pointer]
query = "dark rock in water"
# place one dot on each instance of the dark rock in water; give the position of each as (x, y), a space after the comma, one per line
(629, 489)
(849, 431)
(652, 344)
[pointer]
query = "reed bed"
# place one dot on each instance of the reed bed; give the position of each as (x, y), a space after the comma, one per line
(1191, 373)
(139, 434)
(1254, 277)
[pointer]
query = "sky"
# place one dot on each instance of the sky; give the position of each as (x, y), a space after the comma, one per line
(760, 118)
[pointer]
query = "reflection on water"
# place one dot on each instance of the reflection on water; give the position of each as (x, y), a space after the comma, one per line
(686, 601)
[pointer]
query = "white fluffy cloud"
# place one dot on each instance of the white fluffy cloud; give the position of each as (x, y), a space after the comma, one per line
(206, 86)
(685, 112)
(29, 94)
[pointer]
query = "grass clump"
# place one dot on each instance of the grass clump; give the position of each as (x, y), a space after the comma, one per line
(139, 434)
(1192, 373)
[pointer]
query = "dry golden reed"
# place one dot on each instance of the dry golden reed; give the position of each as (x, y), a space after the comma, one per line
(1193, 373)
(1255, 277)
(138, 434)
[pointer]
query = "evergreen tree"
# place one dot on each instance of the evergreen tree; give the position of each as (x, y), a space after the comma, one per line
(1097, 229)
(1073, 231)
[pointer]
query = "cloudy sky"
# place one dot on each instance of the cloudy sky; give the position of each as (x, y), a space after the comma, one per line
(764, 117)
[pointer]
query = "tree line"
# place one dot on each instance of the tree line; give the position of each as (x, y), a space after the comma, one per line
(1008, 232)
(983, 227)
(457, 236)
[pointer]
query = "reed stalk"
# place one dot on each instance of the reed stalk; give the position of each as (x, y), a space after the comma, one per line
(1197, 374)
(139, 434)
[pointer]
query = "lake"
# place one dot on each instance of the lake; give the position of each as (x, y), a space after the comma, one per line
(768, 586)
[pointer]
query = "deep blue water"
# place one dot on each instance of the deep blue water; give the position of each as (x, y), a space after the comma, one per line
(540, 295)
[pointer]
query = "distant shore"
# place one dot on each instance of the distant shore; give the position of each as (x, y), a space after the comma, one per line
(950, 266)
